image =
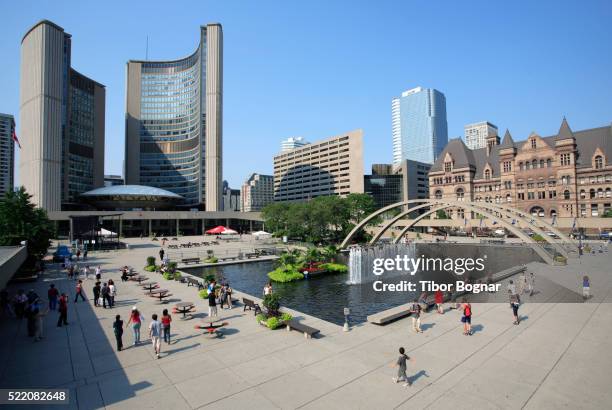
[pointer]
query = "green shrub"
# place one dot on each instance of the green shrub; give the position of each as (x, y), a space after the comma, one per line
(209, 278)
(168, 275)
(272, 303)
(203, 293)
(538, 238)
(285, 317)
(587, 249)
(260, 318)
(273, 322)
(335, 267)
(561, 259)
(151, 261)
(177, 276)
(172, 266)
(285, 274)
(150, 268)
(212, 259)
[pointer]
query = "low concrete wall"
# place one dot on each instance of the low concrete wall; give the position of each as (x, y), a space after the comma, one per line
(11, 259)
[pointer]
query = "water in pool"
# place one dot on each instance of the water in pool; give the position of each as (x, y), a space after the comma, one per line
(324, 297)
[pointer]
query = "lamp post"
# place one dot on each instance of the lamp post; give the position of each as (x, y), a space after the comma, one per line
(347, 312)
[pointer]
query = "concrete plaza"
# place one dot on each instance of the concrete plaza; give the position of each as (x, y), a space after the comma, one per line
(557, 357)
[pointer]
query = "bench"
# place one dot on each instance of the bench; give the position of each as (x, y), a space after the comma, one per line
(248, 303)
(300, 327)
(250, 255)
(194, 282)
(190, 260)
(228, 258)
(389, 315)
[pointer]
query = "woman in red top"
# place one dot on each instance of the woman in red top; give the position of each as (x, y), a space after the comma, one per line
(439, 299)
(136, 320)
(166, 320)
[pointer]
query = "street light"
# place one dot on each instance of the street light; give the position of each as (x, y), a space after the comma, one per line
(347, 312)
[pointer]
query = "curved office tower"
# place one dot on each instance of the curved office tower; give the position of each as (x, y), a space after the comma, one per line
(62, 121)
(174, 123)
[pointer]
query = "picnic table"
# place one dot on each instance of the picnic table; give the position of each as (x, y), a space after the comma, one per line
(211, 327)
(160, 294)
(139, 278)
(184, 308)
(149, 286)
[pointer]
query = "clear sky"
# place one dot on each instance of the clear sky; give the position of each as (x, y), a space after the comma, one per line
(319, 68)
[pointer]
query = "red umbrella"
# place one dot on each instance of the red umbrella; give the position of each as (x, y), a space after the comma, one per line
(217, 230)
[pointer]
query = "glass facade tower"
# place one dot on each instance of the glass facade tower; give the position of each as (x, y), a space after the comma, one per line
(419, 126)
(173, 123)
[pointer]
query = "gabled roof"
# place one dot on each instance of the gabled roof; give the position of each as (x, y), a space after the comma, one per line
(565, 131)
(462, 155)
(507, 142)
(587, 142)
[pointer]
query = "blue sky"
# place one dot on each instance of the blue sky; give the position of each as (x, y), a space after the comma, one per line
(319, 68)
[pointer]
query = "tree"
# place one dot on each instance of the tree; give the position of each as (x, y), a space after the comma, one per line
(359, 206)
(21, 221)
(441, 214)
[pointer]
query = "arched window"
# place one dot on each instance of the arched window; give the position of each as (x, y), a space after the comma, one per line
(537, 211)
(591, 193)
(460, 194)
(534, 164)
(553, 213)
(508, 198)
(541, 163)
(582, 194)
(438, 194)
(566, 194)
(487, 174)
(600, 193)
(599, 162)
(548, 163)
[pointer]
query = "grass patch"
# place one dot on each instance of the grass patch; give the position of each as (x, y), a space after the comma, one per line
(285, 274)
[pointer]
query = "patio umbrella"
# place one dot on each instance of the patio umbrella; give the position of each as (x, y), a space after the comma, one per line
(216, 230)
(229, 231)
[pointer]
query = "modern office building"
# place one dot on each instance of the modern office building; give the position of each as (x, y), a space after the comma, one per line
(568, 174)
(476, 134)
(333, 166)
(112, 180)
(389, 184)
(292, 143)
(174, 123)
(256, 192)
(7, 154)
(62, 121)
(419, 127)
(231, 198)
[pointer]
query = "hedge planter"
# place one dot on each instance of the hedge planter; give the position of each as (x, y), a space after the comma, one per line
(273, 322)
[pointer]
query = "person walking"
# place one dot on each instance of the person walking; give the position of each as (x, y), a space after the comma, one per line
(96, 292)
(512, 287)
(228, 291)
(20, 303)
(52, 294)
(415, 313)
(85, 254)
(112, 292)
(161, 255)
(86, 271)
(523, 284)
(136, 320)
(154, 334)
(439, 299)
(165, 321)
(118, 329)
(98, 272)
(212, 303)
(466, 319)
(531, 283)
(31, 312)
(514, 304)
(105, 292)
(38, 324)
(79, 291)
(63, 310)
(400, 363)
(222, 296)
(78, 254)
(586, 287)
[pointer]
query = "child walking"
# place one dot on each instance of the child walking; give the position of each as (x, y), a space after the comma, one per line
(401, 368)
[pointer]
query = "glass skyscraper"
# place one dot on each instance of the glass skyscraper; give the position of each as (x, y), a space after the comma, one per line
(173, 123)
(419, 127)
